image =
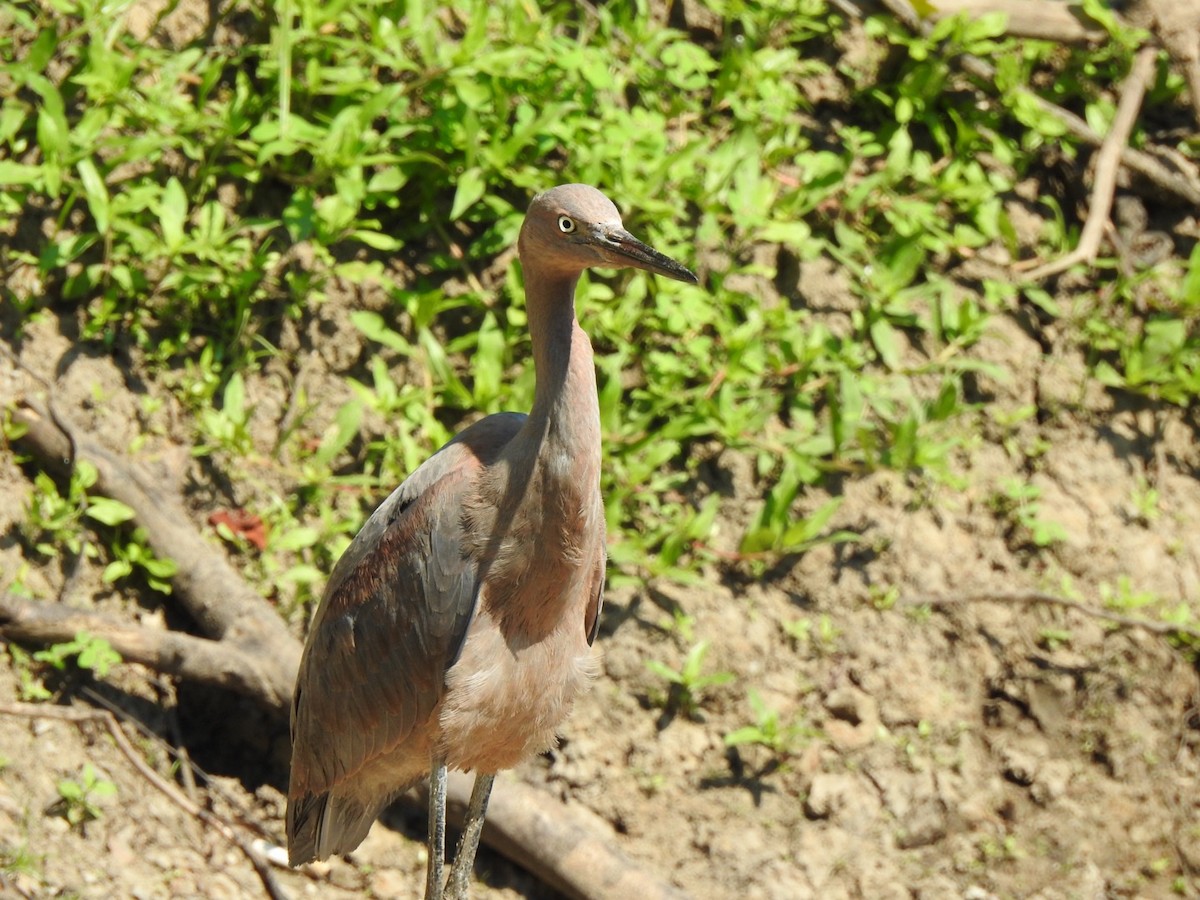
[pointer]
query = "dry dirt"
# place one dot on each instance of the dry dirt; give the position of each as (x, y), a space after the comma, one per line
(975, 748)
(958, 751)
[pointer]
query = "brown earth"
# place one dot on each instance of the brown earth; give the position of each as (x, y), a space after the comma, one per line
(976, 746)
(981, 748)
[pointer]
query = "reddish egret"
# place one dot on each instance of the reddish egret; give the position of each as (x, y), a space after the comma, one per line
(456, 629)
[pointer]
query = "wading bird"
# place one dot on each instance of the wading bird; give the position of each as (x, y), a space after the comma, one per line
(456, 629)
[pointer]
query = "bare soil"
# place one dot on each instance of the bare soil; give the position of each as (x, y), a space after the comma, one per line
(957, 741)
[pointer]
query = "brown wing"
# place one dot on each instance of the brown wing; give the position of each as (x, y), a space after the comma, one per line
(391, 622)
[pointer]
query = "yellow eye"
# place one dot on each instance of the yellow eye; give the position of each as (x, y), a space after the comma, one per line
(566, 224)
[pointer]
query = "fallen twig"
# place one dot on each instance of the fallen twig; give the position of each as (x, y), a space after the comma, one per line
(170, 652)
(225, 829)
(1107, 164)
(1037, 597)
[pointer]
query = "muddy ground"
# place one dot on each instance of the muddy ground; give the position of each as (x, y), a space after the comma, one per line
(953, 740)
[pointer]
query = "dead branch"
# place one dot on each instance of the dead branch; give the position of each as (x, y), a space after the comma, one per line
(223, 605)
(109, 721)
(1036, 597)
(252, 652)
(1107, 165)
(1046, 20)
(214, 663)
(567, 847)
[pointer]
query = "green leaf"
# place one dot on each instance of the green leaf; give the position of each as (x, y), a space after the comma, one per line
(299, 538)
(96, 192)
(883, 336)
(470, 189)
(108, 511)
(340, 433)
(488, 361)
(373, 327)
(234, 398)
(748, 734)
(14, 173)
(116, 570)
(172, 213)
(99, 656)
(664, 672)
(377, 241)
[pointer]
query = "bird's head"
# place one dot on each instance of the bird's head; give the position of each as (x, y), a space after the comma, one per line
(572, 227)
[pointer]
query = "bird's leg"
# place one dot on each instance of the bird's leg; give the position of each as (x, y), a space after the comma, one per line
(468, 843)
(437, 830)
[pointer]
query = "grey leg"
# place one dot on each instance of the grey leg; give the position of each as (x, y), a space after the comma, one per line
(458, 884)
(437, 831)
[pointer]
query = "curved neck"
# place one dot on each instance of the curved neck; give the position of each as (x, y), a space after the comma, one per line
(566, 409)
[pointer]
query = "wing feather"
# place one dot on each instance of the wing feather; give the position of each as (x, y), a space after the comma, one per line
(391, 622)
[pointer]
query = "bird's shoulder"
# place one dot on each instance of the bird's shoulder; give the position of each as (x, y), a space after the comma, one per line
(424, 508)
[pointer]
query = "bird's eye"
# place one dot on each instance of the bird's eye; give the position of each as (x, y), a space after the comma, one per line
(566, 224)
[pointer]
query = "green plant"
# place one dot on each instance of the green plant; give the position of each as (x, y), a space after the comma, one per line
(1123, 598)
(20, 861)
(78, 799)
(52, 520)
(1019, 500)
(821, 634)
(134, 555)
(227, 428)
(90, 652)
(688, 683)
(30, 688)
(768, 731)
(1146, 502)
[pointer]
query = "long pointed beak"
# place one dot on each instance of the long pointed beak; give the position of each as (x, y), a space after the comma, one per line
(624, 249)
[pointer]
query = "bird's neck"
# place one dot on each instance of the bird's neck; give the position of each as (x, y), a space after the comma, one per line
(565, 418)
(545, 489)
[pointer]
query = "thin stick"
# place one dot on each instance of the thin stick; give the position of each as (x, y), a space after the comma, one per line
(1107, 165)
(72, 714)
(1037, 597)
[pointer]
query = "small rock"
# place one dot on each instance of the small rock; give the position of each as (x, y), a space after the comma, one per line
(827, 794)
(1018, 766)
(389, 883)
(1053, 779)
(845, 736)
(120, 851)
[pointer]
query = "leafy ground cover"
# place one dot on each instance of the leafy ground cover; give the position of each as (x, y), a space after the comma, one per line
(271, 245)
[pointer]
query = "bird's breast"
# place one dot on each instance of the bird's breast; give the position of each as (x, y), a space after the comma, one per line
(505, 699)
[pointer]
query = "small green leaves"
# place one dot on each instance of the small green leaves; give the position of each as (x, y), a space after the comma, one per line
(77, 799)
(687, 684)
(89, 651)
